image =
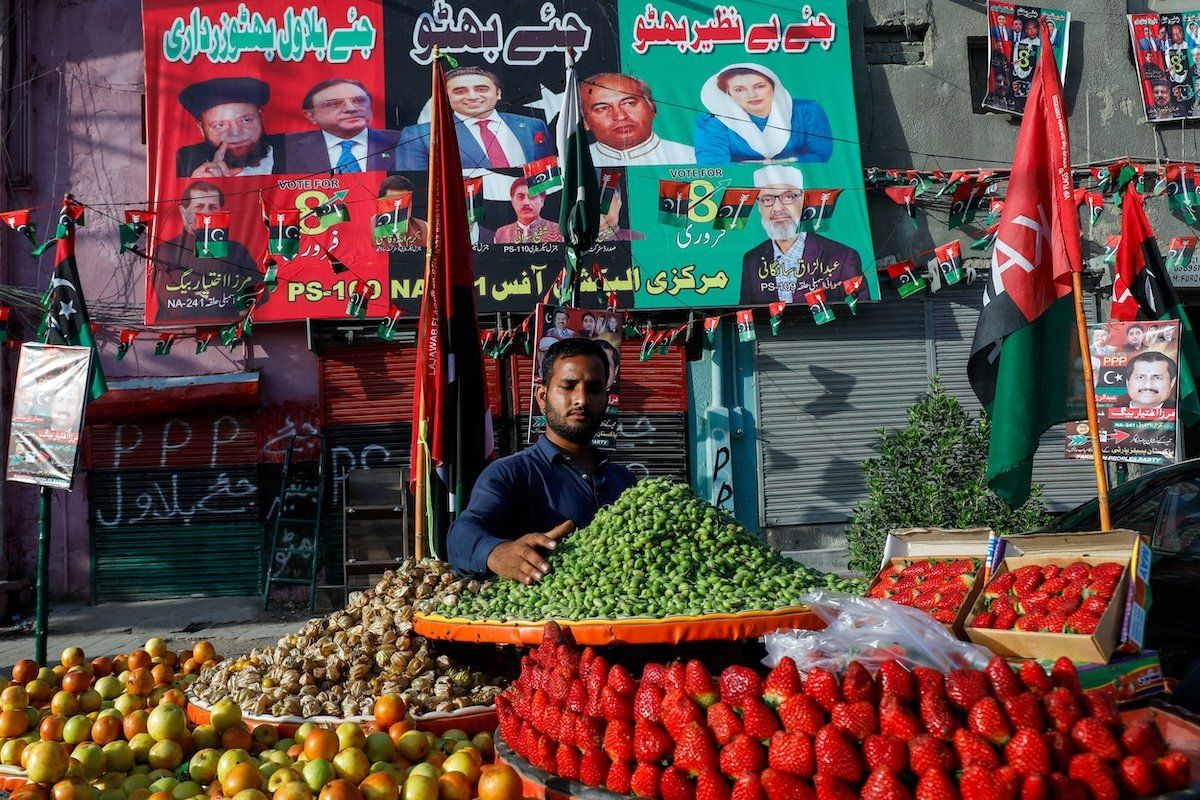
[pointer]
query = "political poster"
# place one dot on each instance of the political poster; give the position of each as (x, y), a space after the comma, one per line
(1135, 371)
(1166, 53)
(47, 414)
(292, 140)
(1014, 44)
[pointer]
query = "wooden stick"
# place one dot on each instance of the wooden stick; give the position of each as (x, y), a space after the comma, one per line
(1089, 390)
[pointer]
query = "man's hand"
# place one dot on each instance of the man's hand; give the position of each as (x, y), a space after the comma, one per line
(522, 559)
(217, 168)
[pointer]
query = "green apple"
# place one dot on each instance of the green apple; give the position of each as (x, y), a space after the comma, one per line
(166, 722)
(380, 747)
(165, 785)
(352, 765)
(420, 787)
(281, 776)
(431, 771)
(413, 745)
(317, 773)
(78, 729)
(225, 714)
(203, 766)
(166, 754)
(118, 755)
(91, 756)
(230, 759)
(350, 734)
(186, 790)
(206, 736)
(135, 782)
(141, 744)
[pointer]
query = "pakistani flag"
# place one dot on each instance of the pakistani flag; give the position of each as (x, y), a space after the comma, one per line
(745, 325)
(674, 198)
(818, 206)
(543, 175)
(67, 321)
(735, 208)
(391, 214)
(579, 214)
(817, 304)
(212, 235)
(1103, 176)
(1179, 254)
(283, 232)
(905, 278)
(20, 222)
(137, 225)
(333, 210)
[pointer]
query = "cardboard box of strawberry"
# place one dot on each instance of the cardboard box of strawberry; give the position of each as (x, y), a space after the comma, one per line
(938, 586)
(1051, 598)
(678, 733)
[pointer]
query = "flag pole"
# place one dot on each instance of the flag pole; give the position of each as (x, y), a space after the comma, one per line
(1089, 390)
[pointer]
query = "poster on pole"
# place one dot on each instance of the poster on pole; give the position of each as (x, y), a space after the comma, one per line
(556, 323)
(1014, 44)
(1135, 368)
(1166, 54)
(48, 404)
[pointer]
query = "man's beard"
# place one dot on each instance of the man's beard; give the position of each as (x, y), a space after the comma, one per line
(578, 433)
(780, 230)
(252, 158)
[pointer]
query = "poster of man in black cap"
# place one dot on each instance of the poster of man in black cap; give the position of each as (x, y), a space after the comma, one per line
(229, 113)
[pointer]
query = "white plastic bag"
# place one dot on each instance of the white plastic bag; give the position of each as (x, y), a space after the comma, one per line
(870, 632)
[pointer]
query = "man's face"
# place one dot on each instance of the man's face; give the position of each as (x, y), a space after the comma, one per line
(342, 110)
(1150, 384)
(781, 207)
(1031, 29)
(198, 203)
(612, 324)
(238, 126)
(1100, 337)
(574, 398)
(589, 325)
(1135, 336)
(1162, 95)
(527, 208)
(617, 113)
(472, 95)
(560, 320)
(1177, 34)
(1168, 334)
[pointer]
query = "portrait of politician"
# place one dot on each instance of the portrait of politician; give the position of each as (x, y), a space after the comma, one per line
(340, 109)
(530, 227)
(790, 262)
(229, 113)
(1150, 380)
(619, 112)
(752, 117)
(486, 137)
(194, 289)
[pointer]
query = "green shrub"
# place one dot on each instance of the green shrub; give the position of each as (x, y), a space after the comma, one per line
(933, 473)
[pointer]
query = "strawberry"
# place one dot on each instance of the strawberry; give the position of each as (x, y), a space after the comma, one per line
(1174, 771)
(1064, 788)
(545, 754)
(1096, 775)
(1036, 603)
(801, 714)
(896, 719)
(1075, 589)
(980, 783)
(821, 686)
(944, 615)
(644, 781)
(929, 682)
(1079, 622)
(882, 784)
(594, 770)
(1137, 776)
(1062, 605)
(1055, 623)
(1035, 678)
(694, 749)
(679, 711)
(597, 671)
(973, 751)
(742, 756)
(1093, 736)
(698, 684)
(1006, 620)
(895, 679)
(782, 786)
(589, 733)
(792, 752)
(857, 684)
(1101, 588)
(830, 788)
(836, 756)
(568, 723)
(938, 717)
(576, 696)
(748, 787)
(966, 687)
(615, 706)
(675, 676)
(1054, 586)
(618, 740)
(651, 743)
(566, 762)
(936, 785)
(1110, 570)
(738, 684)
(1103, 707)
(926, 753)
(654, 674)
(857, 720)
(1028, 753)
(782, 682)
(1035, 787)
(711, 785)
(886, 752)
(1025, 584)
(1063, 709)
(1142, 738)
(987, 719)
(1004, 682)
(674, 784)
(984, 619)
(1094, 606)
(759, 721)
(1051, 571)
(1031, 622)
(1024, 711)
(1000, 585)
(620, 681)
(647, 702)
(724, 722)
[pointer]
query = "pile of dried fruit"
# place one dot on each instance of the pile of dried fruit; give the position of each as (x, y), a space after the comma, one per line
(339, 664)
(936, 586)
(678, 734)
(1050, 598)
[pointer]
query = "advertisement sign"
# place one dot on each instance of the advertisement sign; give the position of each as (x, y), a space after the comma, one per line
(1014, 44)
(1135, 370)
(300, 133)
(52, 387)
(555, 323)
(1166, 52)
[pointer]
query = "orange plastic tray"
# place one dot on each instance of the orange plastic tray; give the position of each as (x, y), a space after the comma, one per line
(669, 630)
(471, 721)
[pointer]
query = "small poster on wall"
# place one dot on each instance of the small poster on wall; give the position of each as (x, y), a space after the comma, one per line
(1014, 44)
(1166, 52)
(48, 404)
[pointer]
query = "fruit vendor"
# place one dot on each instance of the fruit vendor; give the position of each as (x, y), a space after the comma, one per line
(522, 505)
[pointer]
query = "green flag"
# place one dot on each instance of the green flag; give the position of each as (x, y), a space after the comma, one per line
(579, 213)
(67, 321)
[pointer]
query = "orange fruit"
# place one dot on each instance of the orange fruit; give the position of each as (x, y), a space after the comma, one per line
(204, 651)
(320, 743)
(163, 675)
(140, 681)
(340, 789)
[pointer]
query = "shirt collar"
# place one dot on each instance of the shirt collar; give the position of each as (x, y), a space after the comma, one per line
(332, 141)
(552, 454)
(637, 150)
(795, 252)
(493, 116)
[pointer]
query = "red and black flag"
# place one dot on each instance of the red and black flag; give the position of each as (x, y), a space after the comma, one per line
(67, 321)
(473, 199)
(850, 288)
(283, 231)
(136, 225)
(674, 198)
(904, 196)
(387, 328)
(610, 185)
(1181, 190)
(70, 216)
(1020, 358)
(20, 222)
(1180, 251)
(817, 208)
(710, 331)
(956, 177)
(1142, 289)
(212, 235)
(949, 263)
(356, 304)
(904, 277)
(335, 263)
(163, 346)
(964, 205)
(735, 208)
(543, 175)
(775, 311)
(203, 340)
(818, 305)
(123, 346)
(333, 211)
(452, 421)
(392, 213)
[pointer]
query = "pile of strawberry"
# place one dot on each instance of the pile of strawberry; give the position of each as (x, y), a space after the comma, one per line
(1068, 599)
(936, 586)
(897, 735)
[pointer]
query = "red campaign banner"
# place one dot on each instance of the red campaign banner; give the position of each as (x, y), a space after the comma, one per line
(247, 108)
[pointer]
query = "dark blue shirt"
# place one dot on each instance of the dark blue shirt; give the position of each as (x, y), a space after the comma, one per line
(532, 491)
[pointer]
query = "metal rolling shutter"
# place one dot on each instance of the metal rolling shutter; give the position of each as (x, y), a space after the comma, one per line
(823, 393)
(1067, 482)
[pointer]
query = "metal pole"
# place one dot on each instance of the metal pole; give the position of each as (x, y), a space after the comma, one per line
(1089, 391)
(43, 577)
